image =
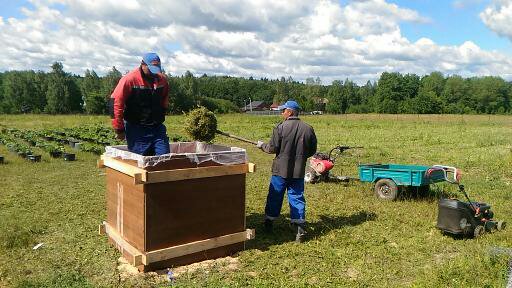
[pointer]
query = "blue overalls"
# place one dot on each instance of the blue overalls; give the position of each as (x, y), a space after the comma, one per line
(147, 140)
(296, 200)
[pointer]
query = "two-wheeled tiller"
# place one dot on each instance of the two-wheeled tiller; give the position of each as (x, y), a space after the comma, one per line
(321, 164)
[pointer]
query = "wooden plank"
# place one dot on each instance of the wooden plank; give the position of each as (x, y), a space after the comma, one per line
(193, 247)
(123, 245)
(125, 207)
(99, 163)
(124, 168)
(193, 173)
(101, 229)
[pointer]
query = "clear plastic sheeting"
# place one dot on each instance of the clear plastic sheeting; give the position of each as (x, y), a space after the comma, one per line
(197, 152)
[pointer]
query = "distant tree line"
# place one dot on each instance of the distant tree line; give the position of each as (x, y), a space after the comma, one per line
(59, 92)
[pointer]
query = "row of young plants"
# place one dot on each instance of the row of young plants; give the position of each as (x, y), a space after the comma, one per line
(21, 149)
(78, 144)
(34, 139)
(92, 138)
(92, 133)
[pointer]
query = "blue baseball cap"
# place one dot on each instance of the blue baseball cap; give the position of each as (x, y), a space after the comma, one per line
(290, 104)
(153, 62)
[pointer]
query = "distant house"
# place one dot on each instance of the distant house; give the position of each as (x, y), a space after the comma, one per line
(274, 106)
(256, 106)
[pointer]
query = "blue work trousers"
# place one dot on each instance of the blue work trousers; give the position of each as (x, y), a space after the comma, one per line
(295, 188)
(147, 140)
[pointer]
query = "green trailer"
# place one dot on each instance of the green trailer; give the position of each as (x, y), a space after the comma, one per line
(387, 178)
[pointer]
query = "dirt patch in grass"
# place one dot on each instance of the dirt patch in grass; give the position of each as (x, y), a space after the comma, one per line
(129, 273)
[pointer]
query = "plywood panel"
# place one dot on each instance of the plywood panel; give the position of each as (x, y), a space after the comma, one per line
(125, 207)
(185, 211)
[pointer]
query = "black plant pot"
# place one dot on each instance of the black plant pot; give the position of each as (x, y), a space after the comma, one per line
(34, 158)
(32, 143)
(22, 154)
(55, 154)
(48, 138)
(1, 159)
(68, 156)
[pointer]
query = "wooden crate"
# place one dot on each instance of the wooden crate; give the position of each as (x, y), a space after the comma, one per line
(164, 218)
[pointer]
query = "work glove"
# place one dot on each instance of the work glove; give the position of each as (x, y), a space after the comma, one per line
(259, 144)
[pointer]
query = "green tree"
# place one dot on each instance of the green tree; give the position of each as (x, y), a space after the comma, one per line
(282, 91)
(389, 93)
(179, 102)
(491, 95)
(455, 94)
(95, 100)
(433, 82)
(335, 97)
(63, 95)
(427, 102)
(20, 92)
(190, 87)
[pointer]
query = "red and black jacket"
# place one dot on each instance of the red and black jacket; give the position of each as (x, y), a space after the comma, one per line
(138, 100)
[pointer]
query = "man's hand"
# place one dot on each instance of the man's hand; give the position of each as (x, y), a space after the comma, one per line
(120, 135)
(260, 143)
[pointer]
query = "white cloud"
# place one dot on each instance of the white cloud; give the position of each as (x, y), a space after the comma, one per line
(260, 38)
(498, 17)
(461, 4)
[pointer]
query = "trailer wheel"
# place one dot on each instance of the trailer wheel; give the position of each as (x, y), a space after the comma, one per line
(479, 231)
(386, 189)
(501, 225)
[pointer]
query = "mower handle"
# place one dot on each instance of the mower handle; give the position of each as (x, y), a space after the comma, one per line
(455, 179)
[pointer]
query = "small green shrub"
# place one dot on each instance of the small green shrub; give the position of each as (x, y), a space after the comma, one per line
(201, 124)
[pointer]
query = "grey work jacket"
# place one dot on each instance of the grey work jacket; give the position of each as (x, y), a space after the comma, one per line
(293, 141)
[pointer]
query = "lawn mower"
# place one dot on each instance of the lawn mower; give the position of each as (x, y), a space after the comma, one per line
(321, 164)
(465, 218)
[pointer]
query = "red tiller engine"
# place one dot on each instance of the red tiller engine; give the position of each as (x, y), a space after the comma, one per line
(320, 165)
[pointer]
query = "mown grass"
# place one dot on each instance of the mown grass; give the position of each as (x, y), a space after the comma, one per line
(355, 240)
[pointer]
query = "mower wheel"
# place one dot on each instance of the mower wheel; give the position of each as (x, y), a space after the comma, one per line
(386, 189)
(479, 231)
(501, 225)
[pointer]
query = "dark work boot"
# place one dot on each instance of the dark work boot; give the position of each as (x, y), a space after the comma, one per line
(268, 225)
(301, 232)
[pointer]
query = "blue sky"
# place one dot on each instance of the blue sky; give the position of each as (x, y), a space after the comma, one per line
(13, 8)
(330, 39)
(452, 25)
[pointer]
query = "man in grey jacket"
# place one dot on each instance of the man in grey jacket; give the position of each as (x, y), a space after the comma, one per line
(293, 141)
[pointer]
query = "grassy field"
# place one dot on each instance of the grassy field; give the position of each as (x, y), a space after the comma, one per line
(355, 240)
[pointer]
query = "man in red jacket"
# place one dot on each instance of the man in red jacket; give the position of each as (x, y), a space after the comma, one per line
(139, 103)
